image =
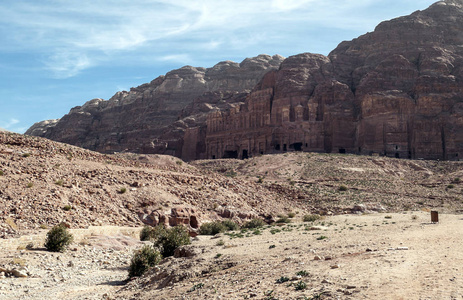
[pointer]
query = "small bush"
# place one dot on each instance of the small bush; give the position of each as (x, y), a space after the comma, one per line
(26, 154)
(172, 239)
(301, 285)
(149, 233)
(457, 180)
(343, 188)
(450, 186)
(230, 225)
(291, 215)
(388, 217)
(322, 237)
(144, 259)
(260, 180)
(254, 223)
(29, 185)
(302, 273)
(283, 220)
(59, 182)
(122, 190)
(220, 243)
(58, 238)
(282, 279)
(67, 207)
(1, 173)
(311, 218)
(212, 228)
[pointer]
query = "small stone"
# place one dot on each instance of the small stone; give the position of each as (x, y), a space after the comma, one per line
(18, 273)
(336, 266)
(369, 250)
(351, 287)
(326, 281)
(328, 258)
(402, 248)
(318, 257)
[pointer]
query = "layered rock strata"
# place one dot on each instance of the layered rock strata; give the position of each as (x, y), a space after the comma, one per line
(396, 91)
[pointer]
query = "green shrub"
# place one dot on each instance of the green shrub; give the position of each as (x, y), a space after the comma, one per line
(301, 285)
(283, 220)
(58, 238)
(450, 186)
(302, 273)
(122, 190)
(291, 215)
(26, 154)
(254, 223)
(30, 184)
(311, 218)
(59, 182)
(212, 228)
(149, 233)
(282, 279)
(230, 225)
(343, 188)
(457, 180)
(1, 173)
(172, 239)
(143, 259)
(67, 207)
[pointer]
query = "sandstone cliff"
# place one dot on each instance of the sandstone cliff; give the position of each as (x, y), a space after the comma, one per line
(155, 117)
(396, 91)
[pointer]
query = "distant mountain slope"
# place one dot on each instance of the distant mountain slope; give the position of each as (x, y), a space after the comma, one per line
(154, 117)
(397, 91)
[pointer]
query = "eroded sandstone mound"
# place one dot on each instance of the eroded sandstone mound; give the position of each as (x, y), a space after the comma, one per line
(396, 91)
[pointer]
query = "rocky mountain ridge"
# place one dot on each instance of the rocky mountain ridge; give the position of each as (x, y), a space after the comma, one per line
(394, 92)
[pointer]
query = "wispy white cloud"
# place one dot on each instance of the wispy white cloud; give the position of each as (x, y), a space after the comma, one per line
(76, 35)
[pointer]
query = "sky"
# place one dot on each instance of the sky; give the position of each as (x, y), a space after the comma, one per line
(56, 54)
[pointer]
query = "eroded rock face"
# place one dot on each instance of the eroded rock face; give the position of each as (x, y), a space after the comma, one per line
(396, 91)
(156, 117)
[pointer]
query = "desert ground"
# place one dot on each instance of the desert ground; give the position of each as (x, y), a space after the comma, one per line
(374, 239)
(371, 256)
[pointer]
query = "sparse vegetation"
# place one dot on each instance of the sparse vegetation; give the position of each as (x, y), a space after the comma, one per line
(122, 190)
(311, 218)
(322, 237)
(343, 188)
(282, 279)
(29, 185)
(149, 233)
(388, 217)
(59, 182)
(143, 259)
(26, 154)
(58, 238)
(291, 215)
(67, 207)
(254, 223)
(212, 228)
(283, 220)
(230, 225)
(171, 239)
(1, 173)
(302, 273)
(196, 287)
(450, 186)
(301, 285)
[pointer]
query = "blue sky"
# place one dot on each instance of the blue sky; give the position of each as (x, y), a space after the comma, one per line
(56, 54)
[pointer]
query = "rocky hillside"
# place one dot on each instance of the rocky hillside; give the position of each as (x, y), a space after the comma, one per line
(155, 117)
(395, 91)
(43, 183)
